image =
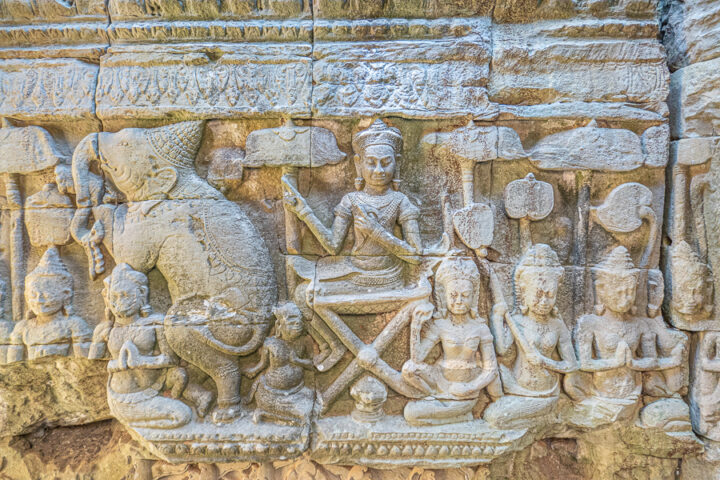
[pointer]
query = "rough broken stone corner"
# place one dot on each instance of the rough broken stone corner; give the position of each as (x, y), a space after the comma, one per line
(342, 239)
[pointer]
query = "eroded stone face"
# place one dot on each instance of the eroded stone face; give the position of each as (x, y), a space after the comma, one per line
(290, 239)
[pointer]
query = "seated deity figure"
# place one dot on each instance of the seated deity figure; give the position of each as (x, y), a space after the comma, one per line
(544, 349)
(615, 346)
(280, 391)
(705, 407)
(51, 328)
(376, 268)
(454, 384)
(142, 364)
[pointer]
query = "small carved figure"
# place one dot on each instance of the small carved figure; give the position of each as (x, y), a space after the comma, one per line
(280, 391)
(692, 284)
(50, 328)
(705, 395)
(543, 341)
(370, 394)
(454, 384)
(615, 346)
(142, 363)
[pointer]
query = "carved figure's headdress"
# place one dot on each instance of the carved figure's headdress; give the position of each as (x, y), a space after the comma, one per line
(687, 261)
(121, 272)
(539, 262)
(617, 264)
(378, 134)
(51, 265)
(453, 267)
(178, 143)
(539, 259)
(124, 271)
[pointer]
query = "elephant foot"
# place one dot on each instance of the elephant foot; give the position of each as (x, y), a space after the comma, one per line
(227, 414)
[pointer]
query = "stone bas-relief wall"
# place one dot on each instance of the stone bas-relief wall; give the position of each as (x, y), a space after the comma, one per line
(342, 240)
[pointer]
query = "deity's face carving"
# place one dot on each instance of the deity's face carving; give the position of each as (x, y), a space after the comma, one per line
(617, 290)
(135, 169)
(126, 298)
(377, 165)
(692, 290)
(291, 327)
(539, 292)
(459, 296)
(47, 295)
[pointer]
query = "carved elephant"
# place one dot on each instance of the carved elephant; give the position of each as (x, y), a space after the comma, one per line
(216, 264)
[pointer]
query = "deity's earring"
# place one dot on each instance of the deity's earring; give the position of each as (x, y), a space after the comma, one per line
(359, 180)
(68, 308)
(396, 176)
(145, 310)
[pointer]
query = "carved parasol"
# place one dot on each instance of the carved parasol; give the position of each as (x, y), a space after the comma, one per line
(291, 147)
(24, 150)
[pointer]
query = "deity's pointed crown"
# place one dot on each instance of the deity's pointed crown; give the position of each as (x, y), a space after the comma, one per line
(50, 265)
(539, 258)
(458, 267)
(178, 143)
(684, 256)
(617, 263)
(378, 134)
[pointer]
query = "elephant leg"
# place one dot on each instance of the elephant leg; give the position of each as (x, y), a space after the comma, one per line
(191, 345)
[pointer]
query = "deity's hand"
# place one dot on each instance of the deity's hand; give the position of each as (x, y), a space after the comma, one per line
(641, 364)
(623, 354)
(422, 313)
(367, 357)
(293, 201)
(365, 223)
(499, 311)
(533, 357)
(461, 390)
(131, 353)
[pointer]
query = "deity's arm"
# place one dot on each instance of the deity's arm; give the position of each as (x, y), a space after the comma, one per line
(568, 362)
(421, 345)
(137, 360)
(709, 346)
(396, 246)
(331, 238)
(98, 346)
(164, 346)
(16, 349)
(489, 372)
(584, 340)
(301, 362)
(81, 337)
(500, 330)
(666, 339)
(260, 366)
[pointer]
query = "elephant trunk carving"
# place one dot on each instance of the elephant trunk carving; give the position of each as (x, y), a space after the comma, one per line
(89, 238)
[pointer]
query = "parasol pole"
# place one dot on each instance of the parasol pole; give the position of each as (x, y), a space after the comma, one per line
(17, 257)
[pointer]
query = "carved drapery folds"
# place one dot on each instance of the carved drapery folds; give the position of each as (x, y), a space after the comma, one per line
(384, 233)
